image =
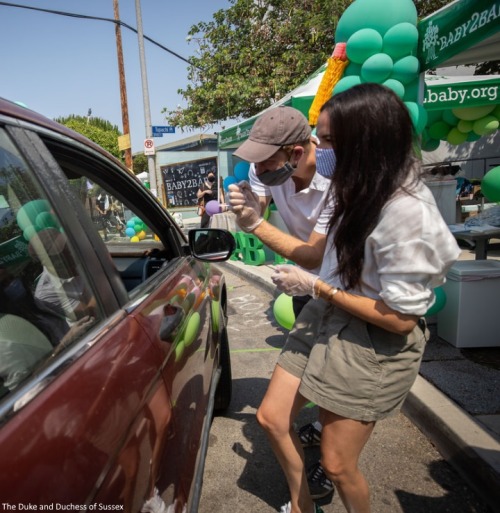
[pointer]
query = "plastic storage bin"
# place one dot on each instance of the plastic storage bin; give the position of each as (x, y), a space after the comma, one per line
(445, 194)
(471, 315)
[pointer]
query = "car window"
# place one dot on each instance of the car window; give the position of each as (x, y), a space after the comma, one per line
(111, 204)
(45, 303)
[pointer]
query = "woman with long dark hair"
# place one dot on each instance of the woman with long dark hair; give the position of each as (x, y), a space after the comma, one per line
(356, 349)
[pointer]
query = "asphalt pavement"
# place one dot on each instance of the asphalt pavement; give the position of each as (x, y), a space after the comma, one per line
(455, 400)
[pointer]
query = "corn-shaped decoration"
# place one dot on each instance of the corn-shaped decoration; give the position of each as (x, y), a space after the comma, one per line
(333, 73)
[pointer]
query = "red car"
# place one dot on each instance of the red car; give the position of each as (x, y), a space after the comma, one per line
(113, 345)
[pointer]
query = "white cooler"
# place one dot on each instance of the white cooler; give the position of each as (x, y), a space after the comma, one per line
(445, 194)
(471, 315)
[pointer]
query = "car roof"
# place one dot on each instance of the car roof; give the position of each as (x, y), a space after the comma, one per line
(22, 113)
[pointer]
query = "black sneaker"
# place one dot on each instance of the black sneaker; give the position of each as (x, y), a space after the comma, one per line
(319, 485)
(309, 435)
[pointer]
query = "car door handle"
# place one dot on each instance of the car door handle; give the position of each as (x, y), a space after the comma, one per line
(173, 317)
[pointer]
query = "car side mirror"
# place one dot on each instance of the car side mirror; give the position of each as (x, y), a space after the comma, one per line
(211, 245)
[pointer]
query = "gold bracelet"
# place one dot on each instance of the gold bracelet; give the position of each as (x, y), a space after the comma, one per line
(332, 293)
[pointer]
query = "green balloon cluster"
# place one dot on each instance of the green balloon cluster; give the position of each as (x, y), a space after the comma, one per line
(457, 126)
(381, 39)
(136, 229)
(35, 216)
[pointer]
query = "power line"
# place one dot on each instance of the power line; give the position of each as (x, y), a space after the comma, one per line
(98, 18)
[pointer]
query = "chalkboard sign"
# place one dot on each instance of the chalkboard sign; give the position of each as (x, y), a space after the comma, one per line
(183, 180)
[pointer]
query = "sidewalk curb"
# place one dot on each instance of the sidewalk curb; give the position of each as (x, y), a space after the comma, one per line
(461, 440)
(262, 282)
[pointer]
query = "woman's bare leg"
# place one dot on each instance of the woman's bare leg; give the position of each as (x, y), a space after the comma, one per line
(342, 441)
(276, 414)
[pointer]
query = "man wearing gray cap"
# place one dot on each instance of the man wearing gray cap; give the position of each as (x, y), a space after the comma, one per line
(283, 153)
(284, 156)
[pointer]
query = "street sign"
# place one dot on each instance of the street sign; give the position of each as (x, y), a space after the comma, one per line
(163, 130)
(149, 147)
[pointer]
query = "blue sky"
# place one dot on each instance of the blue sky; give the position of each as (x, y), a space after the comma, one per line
(59, 66)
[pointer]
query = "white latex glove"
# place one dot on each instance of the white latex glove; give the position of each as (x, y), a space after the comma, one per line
(294, 281)
(245, 204)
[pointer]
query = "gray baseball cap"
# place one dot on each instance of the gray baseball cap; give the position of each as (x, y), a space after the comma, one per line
(279, 126)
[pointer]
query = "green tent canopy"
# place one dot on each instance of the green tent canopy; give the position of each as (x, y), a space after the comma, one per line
(462, 32)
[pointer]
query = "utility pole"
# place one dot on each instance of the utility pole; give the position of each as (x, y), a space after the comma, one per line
(145, 96)
(123, 87)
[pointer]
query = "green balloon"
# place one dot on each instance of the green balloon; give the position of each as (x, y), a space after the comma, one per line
(27, 214)
(431, 144)
(400, 40)
(439, 130)
(472, 136)
(29, 232)
(433, 116)
(450, 118)
(490, 184)
(45, 220)
(412, 90)
(363, 44)
(439, 302)
(406, 69)
(353, 68)
(473, 113)
(465, 126)
(283, 311)
(396, 86)
(346, 83)
(215, 315)
(192, 329)
(456, 137)
(496, 111)
(486, 125)
(418, 116)
(379, 15)
(376, 68)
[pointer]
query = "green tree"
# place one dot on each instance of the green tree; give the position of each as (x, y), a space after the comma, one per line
(140, 163)
(99, 130)
(252, 54)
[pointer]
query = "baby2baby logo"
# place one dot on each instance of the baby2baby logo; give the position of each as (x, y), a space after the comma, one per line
(434, 42)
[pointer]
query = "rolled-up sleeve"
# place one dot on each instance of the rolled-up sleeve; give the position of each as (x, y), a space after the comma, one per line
(410, 250)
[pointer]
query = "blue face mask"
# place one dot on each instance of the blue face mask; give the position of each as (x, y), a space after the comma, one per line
(325, 161)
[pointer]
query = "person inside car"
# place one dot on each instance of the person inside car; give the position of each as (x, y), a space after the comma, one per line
(59, 287)
(28, 333)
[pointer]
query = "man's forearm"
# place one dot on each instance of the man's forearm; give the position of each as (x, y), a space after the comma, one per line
(288, 246)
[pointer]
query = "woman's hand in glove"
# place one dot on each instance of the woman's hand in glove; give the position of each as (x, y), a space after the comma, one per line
(294, 281)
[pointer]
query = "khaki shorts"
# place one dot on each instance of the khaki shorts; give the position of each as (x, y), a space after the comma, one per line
(348, 366)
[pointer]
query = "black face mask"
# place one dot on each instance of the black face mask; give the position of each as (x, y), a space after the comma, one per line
(211, 179)
(277, 177)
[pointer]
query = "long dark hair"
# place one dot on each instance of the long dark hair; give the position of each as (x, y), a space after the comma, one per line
(372, 135)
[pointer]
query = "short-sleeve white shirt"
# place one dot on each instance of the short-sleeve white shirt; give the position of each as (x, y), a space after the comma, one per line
(302, 212)
(406, 256)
